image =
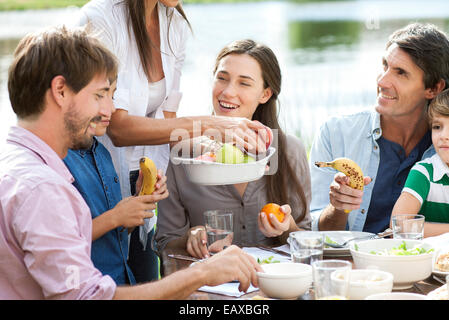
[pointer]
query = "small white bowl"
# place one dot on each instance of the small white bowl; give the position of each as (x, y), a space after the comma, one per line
(397, 296)
(365, 282)
(285, 280)
(216, 173)
(406, 270)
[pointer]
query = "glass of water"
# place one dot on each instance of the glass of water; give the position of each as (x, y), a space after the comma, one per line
(306, 246)
(331, 279)
(306, 256)
(219, 229)
(408, 226)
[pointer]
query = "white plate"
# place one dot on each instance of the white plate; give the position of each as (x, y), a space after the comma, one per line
(440, 274)
(340, 237)
(442, 249)
(215, 173)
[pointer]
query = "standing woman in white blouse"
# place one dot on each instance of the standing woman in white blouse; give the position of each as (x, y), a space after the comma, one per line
(148, 37)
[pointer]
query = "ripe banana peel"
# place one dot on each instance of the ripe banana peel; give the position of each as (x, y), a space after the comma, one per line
(149, 172)
(349, 168)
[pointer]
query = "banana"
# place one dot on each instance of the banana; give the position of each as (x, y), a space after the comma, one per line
(149, 172)
(349, 168)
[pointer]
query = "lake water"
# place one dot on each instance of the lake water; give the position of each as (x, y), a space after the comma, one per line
(329, 52)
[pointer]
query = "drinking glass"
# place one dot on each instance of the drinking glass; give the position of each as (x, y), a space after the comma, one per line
(408, 226)
(306, 256)
(331, 279)
(219, 229)
(306, 246)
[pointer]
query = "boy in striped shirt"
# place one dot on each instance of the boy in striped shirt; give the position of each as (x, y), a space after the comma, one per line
(426, 189)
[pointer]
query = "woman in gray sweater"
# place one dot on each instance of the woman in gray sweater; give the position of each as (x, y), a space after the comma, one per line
(247, 82)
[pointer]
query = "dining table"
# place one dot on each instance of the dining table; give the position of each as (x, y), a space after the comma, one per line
(173, 259)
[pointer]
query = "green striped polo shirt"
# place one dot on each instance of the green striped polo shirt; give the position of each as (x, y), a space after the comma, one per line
(428, 181)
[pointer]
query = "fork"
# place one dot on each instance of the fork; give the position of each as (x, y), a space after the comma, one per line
(282, 253)
(386, 233)
(344, 244)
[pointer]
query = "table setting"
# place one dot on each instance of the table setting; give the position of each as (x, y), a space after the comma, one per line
(371, 274)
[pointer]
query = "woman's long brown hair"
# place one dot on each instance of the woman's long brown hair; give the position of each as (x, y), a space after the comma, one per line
(136, 20)
(285, 180)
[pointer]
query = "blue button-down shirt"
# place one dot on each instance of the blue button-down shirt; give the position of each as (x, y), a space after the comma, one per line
(356, 137)
(97, 181)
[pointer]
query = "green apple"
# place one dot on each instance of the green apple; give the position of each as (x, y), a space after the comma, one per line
(248, 159)
(230, 154)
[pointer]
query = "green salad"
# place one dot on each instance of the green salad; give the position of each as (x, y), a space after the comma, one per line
(329, 240)
(267, 260)
(400, 250)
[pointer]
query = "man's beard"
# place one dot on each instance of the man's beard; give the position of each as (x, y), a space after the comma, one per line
(77, 130)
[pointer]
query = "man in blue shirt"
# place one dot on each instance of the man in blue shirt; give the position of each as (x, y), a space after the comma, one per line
(385, 142)
(97, 181)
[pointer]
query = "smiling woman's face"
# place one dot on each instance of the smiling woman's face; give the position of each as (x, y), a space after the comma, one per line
(238, 86)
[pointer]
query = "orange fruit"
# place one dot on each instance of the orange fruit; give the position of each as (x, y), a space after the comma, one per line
(273, 208)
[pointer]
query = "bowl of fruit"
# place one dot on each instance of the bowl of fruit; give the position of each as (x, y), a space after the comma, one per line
(225, 165)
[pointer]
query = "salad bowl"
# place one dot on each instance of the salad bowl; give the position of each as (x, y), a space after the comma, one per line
(408, 260)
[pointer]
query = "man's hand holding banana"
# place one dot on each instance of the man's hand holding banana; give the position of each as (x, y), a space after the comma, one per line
(342, 196)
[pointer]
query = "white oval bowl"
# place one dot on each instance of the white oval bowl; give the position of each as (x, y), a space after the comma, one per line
(285, 280)
(406, 270)
(365, 282)
(216, 173)
(397, 296)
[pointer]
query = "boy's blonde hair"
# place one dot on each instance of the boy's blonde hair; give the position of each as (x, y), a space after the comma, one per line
(439, 106)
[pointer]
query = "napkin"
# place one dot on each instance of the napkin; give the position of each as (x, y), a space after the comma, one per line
(231, 288)
(228, 289)
(145, 229)
(285, 248)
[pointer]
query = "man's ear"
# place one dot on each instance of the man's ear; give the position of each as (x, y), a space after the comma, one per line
(267, 93)
(59, 90)
(433, 92)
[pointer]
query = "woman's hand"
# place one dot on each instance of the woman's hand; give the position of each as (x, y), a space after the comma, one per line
(196, 244)
(276, 228)
(250, 135)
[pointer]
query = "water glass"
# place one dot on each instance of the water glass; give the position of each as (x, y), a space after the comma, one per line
(306, 256)
(408, 226)
(331, 279)
(219, 229)
(306, 246)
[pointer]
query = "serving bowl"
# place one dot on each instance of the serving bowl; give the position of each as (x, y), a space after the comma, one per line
(285, 280)
(406, 269)
(216, 173)
(365, 282)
